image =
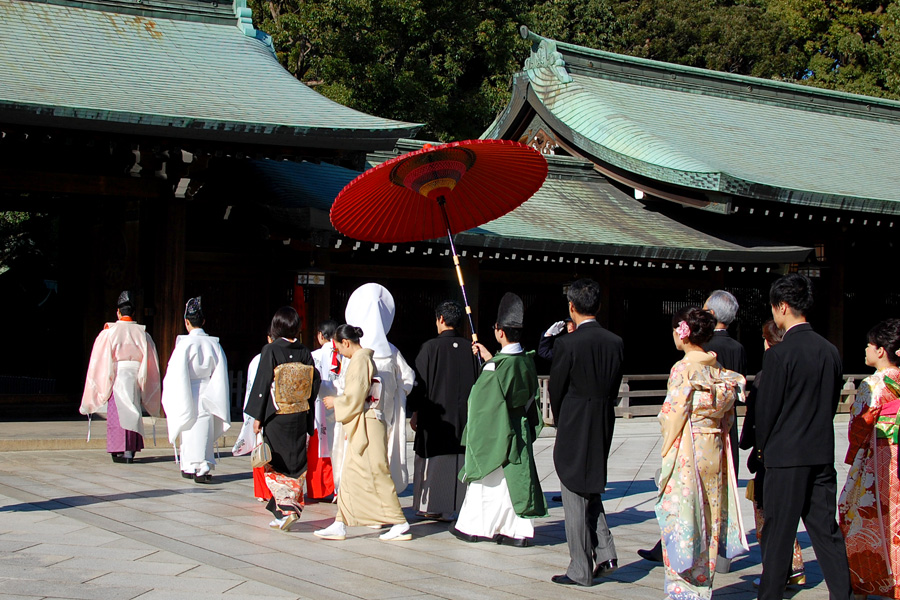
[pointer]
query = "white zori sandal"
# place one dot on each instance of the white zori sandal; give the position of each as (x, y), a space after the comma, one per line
(397, 533)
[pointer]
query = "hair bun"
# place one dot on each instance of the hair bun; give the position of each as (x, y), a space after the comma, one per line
(358, 331)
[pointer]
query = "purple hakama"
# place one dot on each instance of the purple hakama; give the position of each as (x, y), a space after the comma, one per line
(117, 438)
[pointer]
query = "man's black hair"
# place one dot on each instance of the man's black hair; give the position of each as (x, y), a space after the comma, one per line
(452, 311)
(513, 334)
(584, 295)
(795, 290)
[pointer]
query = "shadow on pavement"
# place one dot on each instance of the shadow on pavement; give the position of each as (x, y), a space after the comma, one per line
(87, 500)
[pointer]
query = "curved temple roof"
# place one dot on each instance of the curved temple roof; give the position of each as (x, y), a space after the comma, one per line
(577, 211)
(718, 132)
(179, 68)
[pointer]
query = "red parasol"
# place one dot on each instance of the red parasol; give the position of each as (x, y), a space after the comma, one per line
(439, 191)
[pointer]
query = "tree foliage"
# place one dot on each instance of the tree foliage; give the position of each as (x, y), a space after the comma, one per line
(440, 63)
(448, 64)
(17, 236)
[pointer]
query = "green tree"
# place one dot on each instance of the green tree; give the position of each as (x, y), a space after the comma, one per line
(16, 237)
(448, 64)
(735, 36)
(443, 64)
(841, 43)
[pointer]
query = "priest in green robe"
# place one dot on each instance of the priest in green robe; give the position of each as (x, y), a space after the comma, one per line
(504, 492)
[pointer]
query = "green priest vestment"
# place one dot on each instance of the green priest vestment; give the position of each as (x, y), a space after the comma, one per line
(503, 422)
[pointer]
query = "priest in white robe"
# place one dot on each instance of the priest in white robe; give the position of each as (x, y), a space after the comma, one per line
(196, 395)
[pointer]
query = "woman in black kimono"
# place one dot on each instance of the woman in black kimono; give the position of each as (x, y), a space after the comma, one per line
(284, 430)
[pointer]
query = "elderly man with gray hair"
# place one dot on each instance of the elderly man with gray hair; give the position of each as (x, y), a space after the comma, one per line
(724, 306)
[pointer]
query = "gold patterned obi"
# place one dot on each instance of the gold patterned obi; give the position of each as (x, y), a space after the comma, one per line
(292, 387)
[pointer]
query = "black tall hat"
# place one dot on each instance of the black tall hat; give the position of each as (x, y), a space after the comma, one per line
(511, 312)
(124, 299)
(193, 309)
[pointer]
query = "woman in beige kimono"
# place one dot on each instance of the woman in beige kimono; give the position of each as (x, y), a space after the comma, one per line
(367, 495)
(697, 506)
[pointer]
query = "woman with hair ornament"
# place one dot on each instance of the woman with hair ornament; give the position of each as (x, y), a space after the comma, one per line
(367, 495)
(869, 505)
(697, 507)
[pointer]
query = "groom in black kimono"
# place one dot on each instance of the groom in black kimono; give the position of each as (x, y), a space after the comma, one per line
(447, 368)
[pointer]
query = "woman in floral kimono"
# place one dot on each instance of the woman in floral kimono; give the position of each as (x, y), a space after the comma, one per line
(697, 506)
(284, 428)
(869, 505)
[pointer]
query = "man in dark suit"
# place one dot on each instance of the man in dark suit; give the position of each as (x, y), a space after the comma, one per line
(730, 352)
(731, 355)
(795, 440)
(584, 383)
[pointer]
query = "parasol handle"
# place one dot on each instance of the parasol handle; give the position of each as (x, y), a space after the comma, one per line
(459, 275)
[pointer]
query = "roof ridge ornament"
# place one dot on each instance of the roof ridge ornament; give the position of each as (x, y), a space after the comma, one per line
(245, 23)
(544, 55)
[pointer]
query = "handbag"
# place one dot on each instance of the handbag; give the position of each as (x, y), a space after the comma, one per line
(292, 387)
(261, 454)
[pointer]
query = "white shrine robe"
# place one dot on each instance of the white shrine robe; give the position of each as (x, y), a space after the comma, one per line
(197, 398)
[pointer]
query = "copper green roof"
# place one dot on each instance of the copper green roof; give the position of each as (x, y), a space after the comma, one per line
(174, 68)
(715, 133)
(578, 211)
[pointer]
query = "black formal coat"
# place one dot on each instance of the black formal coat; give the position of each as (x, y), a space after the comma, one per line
(584, 384)
(729, 352)
(286, 434)
(545, 345)
(447, 369)
(731, 355)
(797, 400)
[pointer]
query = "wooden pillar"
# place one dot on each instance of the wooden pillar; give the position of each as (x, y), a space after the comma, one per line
(836, 259)
(472, 275)
(169, 289)
(603, 278)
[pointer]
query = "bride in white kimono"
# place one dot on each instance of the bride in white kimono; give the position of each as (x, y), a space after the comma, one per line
(371, 307)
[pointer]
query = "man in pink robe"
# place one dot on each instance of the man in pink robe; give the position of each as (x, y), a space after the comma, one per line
(124, 368)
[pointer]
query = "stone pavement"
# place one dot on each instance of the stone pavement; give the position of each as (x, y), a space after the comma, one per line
(75, 525)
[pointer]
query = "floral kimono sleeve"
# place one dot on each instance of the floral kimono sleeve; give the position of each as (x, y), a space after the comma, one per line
(863, 415)
(676, 408)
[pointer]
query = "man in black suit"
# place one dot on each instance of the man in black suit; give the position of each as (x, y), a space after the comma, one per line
(731, 355)
(584, 383)
(795, 440)
(730, 352)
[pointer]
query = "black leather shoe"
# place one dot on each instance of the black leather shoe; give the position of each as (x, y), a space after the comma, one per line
(564, 580)
(505, 540)
(605, 569)
(468, 538)
(187, 475)
(654, 554)
(205, 478)
(117, 458)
